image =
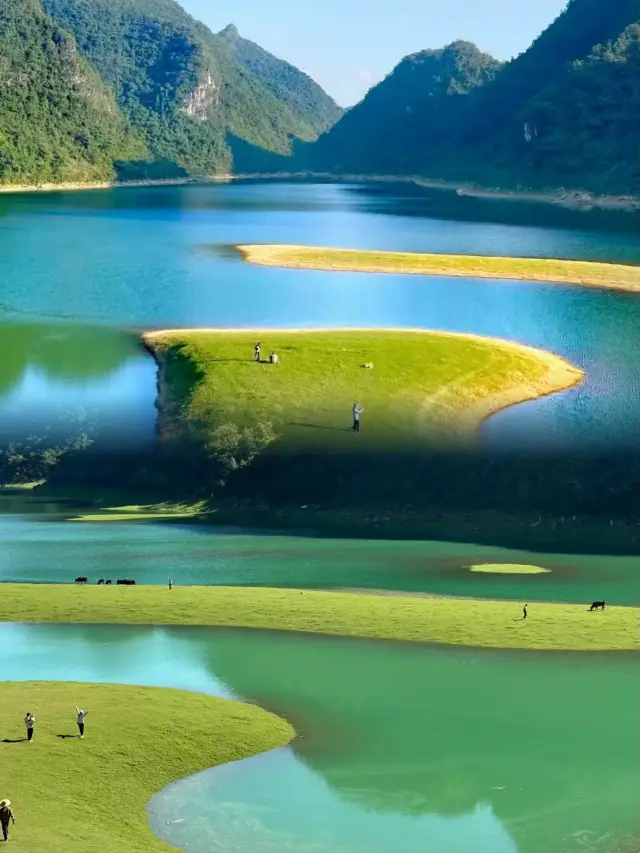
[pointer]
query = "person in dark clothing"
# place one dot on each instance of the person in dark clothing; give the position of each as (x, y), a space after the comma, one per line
(357, 411)
(29, 721)
(6, 817)
(524, 611)
(256, 351)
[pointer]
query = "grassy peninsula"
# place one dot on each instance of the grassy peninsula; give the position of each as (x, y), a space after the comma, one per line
(587, 273)
(461, 622)
(75, 796)
(413, 385)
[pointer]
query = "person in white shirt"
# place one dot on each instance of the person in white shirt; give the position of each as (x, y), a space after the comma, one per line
(357, 411)
(81, 715)
(29, 721)
(273, 358)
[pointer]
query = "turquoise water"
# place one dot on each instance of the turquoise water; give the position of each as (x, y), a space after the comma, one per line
(38, 550)
(98, 263)
(400, 748)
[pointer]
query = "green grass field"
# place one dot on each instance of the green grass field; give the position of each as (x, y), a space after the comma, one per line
(422, 386)
(91, 795)
(467, 622)
(508, 569)
(587, 273)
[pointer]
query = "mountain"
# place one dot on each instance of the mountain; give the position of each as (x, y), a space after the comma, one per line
(563, 113)
(139, 89)
(58, 121)
(406, 117)
(286, 82)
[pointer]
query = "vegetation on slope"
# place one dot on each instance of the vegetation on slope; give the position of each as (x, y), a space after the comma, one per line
(463, 621)
(563, 113)
(72, 796)
(179, 84)
(286, 82)
(404, 120)
(415, 263)
(58, 122)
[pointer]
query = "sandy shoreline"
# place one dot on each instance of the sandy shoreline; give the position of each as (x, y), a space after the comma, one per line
(366, 261)
(573, 199)
(560, 374)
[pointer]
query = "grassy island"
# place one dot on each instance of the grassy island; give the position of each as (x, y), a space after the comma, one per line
(411, 384)
(616, 276)
(76, 796)
(465, 622)
(508, 569)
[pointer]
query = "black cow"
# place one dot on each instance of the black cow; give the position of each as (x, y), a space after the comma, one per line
(100, 581)
(125, 582)
(81, 580)
(107, 583)
(597, 605)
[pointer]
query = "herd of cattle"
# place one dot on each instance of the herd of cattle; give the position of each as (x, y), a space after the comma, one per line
(120, 582)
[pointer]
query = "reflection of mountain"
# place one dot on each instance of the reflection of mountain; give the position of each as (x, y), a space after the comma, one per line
(419, 731)
(62, 351)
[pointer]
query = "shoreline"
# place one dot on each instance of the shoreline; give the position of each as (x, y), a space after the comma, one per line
(454, 622)
(573, 199)
(560, 375)
(606, 276)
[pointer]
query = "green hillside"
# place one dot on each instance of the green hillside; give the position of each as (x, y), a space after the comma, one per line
(563, 113)
(289, 85)
(403, 121)
(58, 121)
(94, 89)
(177, 82)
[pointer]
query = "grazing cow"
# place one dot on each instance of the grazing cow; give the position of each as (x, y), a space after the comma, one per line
(100, 581)
(107, 583)
(81, 580)
(597, 605)
(125, 582)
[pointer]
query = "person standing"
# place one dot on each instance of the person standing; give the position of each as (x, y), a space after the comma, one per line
(29, 721)
(524, 611)
(6, 817)
(81, 715)
(357, 411)
(170, 584)
(256, 351)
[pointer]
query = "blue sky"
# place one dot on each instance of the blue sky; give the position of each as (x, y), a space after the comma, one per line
(348, 45)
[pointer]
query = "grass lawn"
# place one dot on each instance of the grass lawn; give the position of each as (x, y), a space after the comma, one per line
(91, 795)
(469, 622)
(422, 384)
(149, 512)
(617, 276)
(508, 569)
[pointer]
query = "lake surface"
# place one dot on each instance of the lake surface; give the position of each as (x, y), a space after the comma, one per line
(79, 271)
(400, 748)
(38, 550)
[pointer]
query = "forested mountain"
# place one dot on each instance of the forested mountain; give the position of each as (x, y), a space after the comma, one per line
(58, 121)
(563, 113)
(405, 120)
(289, 85)
(138, 87)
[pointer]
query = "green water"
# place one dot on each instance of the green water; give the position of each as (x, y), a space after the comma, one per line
(400, 748)
(38, 550)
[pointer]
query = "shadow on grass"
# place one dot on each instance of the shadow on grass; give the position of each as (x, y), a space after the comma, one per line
(320, 426)
(17, 740)
(65, 737)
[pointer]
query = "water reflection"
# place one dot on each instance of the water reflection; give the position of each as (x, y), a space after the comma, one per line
(401, 748)
(48, 370)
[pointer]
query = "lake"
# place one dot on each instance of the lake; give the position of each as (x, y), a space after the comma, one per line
(400, 748)
(38, 548)
(80, 271)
